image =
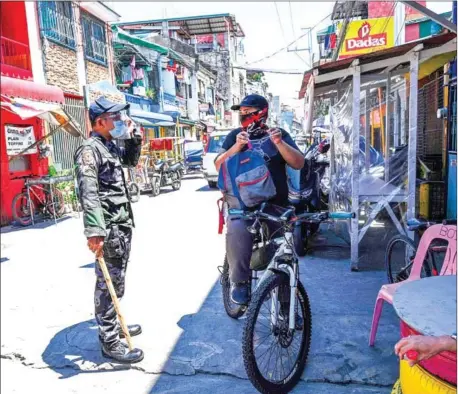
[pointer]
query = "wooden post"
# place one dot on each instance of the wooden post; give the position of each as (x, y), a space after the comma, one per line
(115, 300)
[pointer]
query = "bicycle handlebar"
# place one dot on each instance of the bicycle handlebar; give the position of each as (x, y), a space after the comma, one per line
(289, 216)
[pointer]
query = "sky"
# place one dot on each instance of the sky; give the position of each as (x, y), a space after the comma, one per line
(268, 26)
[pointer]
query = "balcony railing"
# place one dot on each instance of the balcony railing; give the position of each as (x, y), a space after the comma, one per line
(14, 53)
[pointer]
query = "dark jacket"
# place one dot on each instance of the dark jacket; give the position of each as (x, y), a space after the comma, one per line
(103, 192)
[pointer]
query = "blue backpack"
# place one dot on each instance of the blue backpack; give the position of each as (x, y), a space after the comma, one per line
(245, 180)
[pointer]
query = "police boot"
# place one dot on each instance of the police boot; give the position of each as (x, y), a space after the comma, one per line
(134, 329)
(120, 353)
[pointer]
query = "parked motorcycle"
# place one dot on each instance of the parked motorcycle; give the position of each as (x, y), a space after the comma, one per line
(308, 190)
(164, 173)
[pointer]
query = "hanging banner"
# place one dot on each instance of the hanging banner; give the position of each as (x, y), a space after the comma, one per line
(367, 36)
(308, 106)
(19, 138)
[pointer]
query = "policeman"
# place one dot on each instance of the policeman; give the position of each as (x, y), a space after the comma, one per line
(107, 213)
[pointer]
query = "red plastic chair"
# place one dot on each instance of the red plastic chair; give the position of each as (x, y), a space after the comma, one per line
(386, 293)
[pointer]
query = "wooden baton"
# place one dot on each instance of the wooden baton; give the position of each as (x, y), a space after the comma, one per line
(115, 300)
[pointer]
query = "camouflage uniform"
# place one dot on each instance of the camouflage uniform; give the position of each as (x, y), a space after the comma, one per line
(107, 213)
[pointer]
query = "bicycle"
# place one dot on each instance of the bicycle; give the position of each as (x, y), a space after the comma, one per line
(398, 265)
(47, 198)
(290, 312)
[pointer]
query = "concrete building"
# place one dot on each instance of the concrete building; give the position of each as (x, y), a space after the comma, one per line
(74, 50)
(212, 40)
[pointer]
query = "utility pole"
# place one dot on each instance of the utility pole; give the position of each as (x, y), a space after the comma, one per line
(343, 32)
(399, 23)
(308, 49)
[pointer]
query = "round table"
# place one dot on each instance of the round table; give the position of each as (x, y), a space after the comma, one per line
(428, 305)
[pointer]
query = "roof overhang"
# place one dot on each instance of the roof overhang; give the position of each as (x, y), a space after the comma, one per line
(100, 11)
(193, 25)
(394, 60)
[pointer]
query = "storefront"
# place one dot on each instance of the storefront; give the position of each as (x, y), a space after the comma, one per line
(17, 133)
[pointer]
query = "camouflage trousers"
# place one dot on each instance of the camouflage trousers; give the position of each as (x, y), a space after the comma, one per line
(116, 254)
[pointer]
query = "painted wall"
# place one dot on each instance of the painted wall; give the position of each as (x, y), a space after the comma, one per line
(377, 9)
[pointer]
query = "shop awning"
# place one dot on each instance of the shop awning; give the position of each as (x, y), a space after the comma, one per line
(153, 118)
(31, 90)
(186, 122)
(51, 112)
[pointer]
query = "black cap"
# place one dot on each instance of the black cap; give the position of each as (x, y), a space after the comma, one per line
(102, 106)
(252, 100)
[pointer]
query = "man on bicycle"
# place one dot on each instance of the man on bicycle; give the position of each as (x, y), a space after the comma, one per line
(107, 213)
(279, 152)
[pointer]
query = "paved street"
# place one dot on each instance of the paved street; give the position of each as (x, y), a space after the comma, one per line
(49, 337)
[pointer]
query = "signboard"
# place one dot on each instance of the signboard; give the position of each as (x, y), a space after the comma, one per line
(18, 138)
(203, 107)
(366, 36)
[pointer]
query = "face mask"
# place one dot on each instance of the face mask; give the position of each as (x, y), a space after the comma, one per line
(121, 131)
(254, 123)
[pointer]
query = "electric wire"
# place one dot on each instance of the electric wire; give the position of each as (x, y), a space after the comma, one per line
(283, 32)
(291, 43)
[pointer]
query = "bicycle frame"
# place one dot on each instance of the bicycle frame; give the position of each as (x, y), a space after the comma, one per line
(291, 270)
(30, 188)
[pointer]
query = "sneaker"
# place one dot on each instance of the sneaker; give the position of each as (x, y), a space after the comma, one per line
(134, 330)
(241, 293)
(120, 353)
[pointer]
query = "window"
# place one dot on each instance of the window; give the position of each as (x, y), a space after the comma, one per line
(95, 44)
(56, 22)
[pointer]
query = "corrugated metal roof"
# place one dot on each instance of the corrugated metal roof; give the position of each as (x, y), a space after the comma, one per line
(373, 57)
(195, 25)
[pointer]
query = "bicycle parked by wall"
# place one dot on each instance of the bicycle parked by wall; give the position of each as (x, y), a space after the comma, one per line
(39, 195)
(277, 332)
(401, 250)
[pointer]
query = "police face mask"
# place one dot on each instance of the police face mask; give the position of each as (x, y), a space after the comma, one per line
(121, 130)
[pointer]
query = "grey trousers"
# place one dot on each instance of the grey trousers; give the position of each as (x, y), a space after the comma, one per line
(239, 247)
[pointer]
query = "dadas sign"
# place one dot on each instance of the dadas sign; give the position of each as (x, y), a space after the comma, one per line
(367, 36)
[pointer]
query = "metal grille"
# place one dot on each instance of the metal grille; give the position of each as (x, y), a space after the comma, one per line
(64, 144)
(430, 129)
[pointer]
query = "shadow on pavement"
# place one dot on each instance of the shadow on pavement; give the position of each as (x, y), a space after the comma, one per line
(89, 265)
(342, 303)
(39, 225)
(188, 177)
(76, 350)
(207, 189)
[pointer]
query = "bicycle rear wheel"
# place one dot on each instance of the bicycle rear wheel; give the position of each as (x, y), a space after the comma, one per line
(22, 210)
(399, 257)
(233, 310)
(274, 356)
(56, 205)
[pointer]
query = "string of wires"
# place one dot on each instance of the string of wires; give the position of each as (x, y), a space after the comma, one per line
(291, 43)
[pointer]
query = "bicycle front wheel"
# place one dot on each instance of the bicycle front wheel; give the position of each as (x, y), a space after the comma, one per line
(275, 356)
(22, 209)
